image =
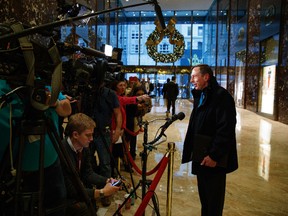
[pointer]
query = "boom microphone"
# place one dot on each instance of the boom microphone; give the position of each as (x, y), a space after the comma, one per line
(159, 14)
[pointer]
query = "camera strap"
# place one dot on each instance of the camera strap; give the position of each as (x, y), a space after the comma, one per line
(56, 81)
(27, 49)
(28, 53)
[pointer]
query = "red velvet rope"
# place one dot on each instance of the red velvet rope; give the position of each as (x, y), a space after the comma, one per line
(137, 169)
(153, 186)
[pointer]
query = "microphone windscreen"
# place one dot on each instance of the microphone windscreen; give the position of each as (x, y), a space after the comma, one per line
(181, 116)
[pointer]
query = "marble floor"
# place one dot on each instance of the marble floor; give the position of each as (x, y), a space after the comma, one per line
(258, 188)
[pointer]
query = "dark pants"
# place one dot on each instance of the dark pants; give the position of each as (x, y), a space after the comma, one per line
(101, 144)
(133, 141)
(211, 188)
(171, 102)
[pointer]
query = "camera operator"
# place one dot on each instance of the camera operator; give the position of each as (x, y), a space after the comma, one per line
(79, 134)
(17, 109)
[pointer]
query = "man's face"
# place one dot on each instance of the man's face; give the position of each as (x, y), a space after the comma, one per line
(83, 139)
(198, 80)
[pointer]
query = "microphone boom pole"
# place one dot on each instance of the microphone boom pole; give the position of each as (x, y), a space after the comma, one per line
(36, 29)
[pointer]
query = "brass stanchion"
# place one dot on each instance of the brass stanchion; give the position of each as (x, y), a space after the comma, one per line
(171, 149)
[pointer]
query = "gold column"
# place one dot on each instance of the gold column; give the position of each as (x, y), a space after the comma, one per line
(171, 149)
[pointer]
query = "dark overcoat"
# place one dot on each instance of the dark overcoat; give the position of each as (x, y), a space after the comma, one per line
(215, 117)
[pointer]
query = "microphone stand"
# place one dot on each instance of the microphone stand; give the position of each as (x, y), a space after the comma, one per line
(144, 182)
(144, 157)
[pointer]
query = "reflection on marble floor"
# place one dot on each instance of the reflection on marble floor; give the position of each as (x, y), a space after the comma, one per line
(258, 188)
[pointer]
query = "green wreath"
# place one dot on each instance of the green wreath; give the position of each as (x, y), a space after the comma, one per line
(175, 38)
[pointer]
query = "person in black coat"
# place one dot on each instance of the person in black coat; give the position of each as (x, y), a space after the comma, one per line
(172, 92)
(213, 117)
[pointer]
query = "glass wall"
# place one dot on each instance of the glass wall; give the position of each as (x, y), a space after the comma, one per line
(129, 30)
(134, 27)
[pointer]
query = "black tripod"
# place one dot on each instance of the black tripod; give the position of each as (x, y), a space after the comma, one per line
(41, 127)
(144, 181)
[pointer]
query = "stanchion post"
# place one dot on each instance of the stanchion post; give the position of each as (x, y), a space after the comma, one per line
(171, 149)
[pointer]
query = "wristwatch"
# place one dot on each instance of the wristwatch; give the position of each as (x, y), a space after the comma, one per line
(101, 193)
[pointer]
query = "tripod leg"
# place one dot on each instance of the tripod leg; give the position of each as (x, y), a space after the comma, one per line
(121, 206)
(156, 207)
(41, 174)
(19, 175)
(125, 152)
(31, 128)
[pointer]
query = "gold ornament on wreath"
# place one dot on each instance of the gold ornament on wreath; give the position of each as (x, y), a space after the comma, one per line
(175, 38)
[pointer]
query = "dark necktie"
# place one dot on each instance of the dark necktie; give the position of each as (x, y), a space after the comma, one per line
(78, 160)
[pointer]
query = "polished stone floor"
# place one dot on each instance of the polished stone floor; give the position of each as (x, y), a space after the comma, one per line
(258, 188)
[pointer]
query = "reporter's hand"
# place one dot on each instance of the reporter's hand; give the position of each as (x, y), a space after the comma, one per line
(143, 98)
(116, 134)
(109, 189)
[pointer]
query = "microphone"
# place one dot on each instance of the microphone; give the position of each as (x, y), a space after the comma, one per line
(175, 117)
(159, 14)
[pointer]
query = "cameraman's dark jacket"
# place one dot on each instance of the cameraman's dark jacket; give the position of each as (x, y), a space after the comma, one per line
(216, 118)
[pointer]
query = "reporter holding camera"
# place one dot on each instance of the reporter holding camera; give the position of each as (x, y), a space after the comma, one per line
(79, 134)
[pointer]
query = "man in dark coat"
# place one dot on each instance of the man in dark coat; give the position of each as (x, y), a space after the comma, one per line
(172, 92)
(213, 118)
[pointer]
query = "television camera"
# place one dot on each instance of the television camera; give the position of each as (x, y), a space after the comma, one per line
(88, 72)
(51, 63)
